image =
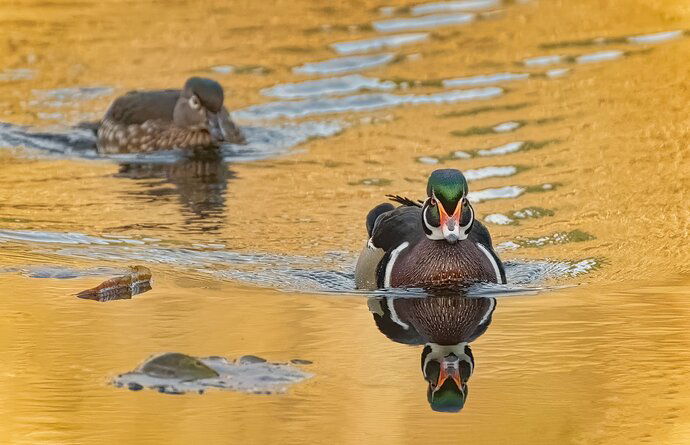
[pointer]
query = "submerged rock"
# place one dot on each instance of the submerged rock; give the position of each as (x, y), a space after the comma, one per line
(248, 359)
(299, 361)
(174, 365)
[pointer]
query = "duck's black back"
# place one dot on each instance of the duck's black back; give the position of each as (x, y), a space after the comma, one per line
(394, 227)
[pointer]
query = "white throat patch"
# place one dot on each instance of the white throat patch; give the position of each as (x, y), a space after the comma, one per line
(440, 351)
(439, 233)
(436, 232)
(465, 230)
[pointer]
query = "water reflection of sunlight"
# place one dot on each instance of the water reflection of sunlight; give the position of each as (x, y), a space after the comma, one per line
(379, 43)
(362, 102)
(423, 22)
(344, 64)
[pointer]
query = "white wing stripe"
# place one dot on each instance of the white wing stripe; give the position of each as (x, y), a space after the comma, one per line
(497, 270)
(488, 312)
(391, 262)
(390, 302)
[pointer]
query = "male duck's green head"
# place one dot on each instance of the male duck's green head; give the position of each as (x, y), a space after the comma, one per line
(447, 370)
(447, 214)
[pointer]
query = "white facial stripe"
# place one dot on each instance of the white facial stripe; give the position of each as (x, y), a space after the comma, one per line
(464, 230)
(493, 262)
(488, 311)
(391, 263)
(439, 233)
(194, 102)
(436, 232)
(390, 302)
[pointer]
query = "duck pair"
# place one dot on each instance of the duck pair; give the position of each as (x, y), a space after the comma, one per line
(435, 242)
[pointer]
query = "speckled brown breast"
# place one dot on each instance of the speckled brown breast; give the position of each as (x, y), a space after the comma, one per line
(152, 135)
(429, 263)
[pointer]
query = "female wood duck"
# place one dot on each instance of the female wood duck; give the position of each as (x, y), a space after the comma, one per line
(188, 119)
(432, 243)
(445, 325)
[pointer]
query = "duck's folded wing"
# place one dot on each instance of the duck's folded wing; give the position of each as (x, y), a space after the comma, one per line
(485, 320)
(137, 107)
(387, 227)
(480, 235)
(374, 214)
(389, 323)
(392, 228)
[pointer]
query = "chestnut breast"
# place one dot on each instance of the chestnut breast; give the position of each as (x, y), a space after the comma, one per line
(431, 262)
(447, 320)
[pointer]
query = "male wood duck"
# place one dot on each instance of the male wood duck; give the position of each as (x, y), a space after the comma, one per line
(432, 243)
(445, 325)
(187, 119)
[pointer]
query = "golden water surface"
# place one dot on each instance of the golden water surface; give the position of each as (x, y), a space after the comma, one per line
(603, 360)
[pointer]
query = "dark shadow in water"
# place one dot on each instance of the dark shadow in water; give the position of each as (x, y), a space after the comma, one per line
(200, 182)
(445, 325)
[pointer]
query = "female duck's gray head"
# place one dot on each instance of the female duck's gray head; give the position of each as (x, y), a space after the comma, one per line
(447, 214)
(447, 368)
(200, 106)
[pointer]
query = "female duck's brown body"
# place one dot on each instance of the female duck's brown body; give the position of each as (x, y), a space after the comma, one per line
(187, 119)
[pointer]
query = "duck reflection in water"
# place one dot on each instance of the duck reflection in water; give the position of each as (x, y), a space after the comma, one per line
(445, 325)
(200, 182)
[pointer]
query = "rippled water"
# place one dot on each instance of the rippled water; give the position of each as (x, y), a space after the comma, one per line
(568, 118)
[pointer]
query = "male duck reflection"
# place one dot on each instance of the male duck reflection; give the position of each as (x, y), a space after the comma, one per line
(191, 118)
(445, 326)
(434, 243)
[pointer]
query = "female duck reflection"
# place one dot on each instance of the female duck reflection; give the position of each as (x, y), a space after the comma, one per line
(445, 326)
(199, 181)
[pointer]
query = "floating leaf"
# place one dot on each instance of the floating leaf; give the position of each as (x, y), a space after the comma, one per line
(123, 287)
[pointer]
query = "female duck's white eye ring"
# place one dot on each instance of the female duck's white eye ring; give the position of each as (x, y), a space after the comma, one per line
(194, 102)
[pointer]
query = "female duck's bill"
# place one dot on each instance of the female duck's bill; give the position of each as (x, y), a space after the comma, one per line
(191, 118)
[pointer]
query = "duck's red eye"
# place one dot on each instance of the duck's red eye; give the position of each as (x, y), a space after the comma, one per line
(432, 203)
